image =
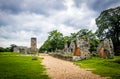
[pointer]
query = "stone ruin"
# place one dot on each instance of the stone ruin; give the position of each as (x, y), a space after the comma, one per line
(66, 49)
(22, 49)
(105, 49)
(34, 45)
(79, 47)
(26, 50)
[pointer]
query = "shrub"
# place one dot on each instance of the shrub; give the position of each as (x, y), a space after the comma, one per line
(34, 58)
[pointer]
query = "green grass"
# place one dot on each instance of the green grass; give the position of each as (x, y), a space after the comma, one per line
(16, 66)
(103, 67)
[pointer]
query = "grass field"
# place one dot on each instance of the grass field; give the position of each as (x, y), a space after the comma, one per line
(103, 67)
(15, 66)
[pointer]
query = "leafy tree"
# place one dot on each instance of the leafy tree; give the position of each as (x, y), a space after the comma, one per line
(12, 46)
(7, 49)
(108, 24)
(4, 49)
(55, 41)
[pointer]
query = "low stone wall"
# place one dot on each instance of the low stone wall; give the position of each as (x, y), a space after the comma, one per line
(60, 56)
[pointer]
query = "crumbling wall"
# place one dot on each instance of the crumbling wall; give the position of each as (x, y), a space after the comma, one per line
(80, 48)
(66, 49)
(34, 45)
(20, 49)
(83, 45)
(105, 49)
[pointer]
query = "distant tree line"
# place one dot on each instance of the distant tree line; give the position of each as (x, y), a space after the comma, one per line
(4, 49)
(7, 49)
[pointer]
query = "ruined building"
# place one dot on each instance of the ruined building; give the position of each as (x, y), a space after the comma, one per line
(79, 47)
(26, 50)
(105, 49)
(21, 49)
(33, 45)
(66, 49)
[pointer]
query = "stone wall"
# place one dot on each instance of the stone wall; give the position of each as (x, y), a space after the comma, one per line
(26, 50)
(33, 45)
(60, 56)
(66, 48)
(80, 48)
(105, 49)
(21, 49)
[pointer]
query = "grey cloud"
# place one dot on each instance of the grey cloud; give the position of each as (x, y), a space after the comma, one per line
(35, 6)
(98, 5)
(12, 6)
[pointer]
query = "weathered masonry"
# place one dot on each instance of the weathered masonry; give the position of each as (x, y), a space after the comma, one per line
(33, 45)
(26, 50)
(79, 47)
(105, 49)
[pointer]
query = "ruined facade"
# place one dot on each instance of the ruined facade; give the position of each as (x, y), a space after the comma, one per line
(33, 45)
(21, 49)
(105, 49)
(80, 48)
(26, 50)
(66, 49)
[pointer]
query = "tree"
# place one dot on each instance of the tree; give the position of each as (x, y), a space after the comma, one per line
(12, 46)
(4, 49)
(55, 41)
(67, 39)
(108, 24)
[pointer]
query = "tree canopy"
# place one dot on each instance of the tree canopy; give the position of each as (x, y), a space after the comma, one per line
(108, 24)
(4, 49)
(8, 49)
(56, 40)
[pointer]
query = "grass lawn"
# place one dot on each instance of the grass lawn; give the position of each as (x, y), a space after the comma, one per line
(103, 67)
(15, 66)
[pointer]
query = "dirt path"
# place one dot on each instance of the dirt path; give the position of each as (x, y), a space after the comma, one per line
(60, 69)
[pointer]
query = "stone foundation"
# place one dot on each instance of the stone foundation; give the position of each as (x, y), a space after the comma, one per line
(76, 58)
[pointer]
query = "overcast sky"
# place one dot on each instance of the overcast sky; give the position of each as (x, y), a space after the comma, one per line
(22, 19)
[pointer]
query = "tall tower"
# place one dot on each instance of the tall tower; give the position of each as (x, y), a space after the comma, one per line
(33, 45)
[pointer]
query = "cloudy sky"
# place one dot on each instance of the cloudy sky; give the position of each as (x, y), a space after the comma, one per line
(22, 19)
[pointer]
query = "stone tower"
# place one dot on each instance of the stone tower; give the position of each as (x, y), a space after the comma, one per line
(34, 45)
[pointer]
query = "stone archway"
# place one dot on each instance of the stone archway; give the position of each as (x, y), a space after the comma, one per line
(103, 53)
(77, 51)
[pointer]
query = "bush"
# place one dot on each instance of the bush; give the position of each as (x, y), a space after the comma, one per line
(34, 58)
(117, 61)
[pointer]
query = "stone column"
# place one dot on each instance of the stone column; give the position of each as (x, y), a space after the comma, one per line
(34, 45)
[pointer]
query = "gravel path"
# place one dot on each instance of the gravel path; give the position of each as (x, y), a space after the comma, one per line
(60, 69)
